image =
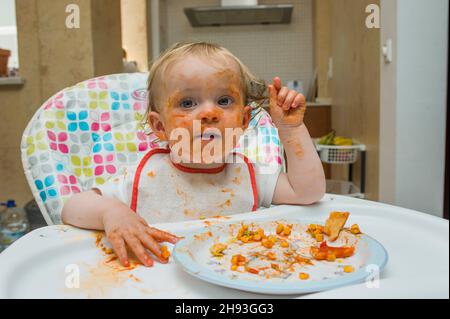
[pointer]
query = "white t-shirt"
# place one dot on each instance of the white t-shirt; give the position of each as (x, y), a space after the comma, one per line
(121, 186)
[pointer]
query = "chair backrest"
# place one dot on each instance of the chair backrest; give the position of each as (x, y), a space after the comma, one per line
(84, 134)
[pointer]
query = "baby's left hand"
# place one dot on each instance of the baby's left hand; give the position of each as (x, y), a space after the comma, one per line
(287, 107)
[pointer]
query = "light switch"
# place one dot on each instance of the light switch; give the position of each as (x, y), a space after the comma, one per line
(387, 51)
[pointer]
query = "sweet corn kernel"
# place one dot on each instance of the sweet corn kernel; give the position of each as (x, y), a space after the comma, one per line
(284, 244)
(234, 267)
(257, 237)
(349, 269)
(355, 229)
(287, 231)
(319, 237)
(273, 239)
(245, 239)
(280, 228)
(303, 276)
(267, 243)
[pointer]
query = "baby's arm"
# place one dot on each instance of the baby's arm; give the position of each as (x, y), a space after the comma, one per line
(304, 182)
(123, 227)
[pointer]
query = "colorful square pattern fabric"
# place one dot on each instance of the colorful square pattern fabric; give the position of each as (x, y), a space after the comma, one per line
(83, 135)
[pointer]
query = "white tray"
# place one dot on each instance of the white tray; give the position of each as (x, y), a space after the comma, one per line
(418, 246)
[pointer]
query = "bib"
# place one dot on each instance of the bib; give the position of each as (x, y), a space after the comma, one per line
(164, 191)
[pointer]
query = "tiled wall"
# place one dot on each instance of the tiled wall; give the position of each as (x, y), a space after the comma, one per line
(268, 50)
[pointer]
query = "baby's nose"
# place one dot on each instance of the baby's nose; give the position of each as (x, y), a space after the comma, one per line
(210, 114)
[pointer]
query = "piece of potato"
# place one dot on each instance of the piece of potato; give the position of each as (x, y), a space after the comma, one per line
(335, 223)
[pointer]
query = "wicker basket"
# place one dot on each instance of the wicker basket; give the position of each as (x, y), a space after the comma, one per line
(332, 154)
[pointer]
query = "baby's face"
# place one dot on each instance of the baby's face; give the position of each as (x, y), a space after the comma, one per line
(200, 101)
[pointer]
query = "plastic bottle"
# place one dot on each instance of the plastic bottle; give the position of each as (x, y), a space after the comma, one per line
(13, 224)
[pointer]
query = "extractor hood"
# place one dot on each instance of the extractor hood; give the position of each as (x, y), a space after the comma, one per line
(230, 13)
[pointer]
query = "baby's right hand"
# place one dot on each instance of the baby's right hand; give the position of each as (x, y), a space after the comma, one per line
(124, 228)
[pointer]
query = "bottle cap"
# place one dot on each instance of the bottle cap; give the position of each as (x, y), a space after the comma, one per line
(11, 203)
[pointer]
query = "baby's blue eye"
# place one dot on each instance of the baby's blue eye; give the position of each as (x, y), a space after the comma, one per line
(187, 103)
(224, 101)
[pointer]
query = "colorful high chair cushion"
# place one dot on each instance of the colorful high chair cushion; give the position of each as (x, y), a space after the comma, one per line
(84, 134)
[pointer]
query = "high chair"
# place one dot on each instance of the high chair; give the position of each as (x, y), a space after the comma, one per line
(84, 134)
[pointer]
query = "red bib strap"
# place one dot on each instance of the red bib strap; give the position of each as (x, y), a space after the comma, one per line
(137, 176)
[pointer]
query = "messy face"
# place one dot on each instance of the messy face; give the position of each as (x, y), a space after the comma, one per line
(200, 103)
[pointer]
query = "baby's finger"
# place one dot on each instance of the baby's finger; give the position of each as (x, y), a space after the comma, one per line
(282, 94)
(272, 95)
(162, 235)
(120, 249)
(153, 246)
(277, 83)
(136, 246)
(299, 101)
(289, 99)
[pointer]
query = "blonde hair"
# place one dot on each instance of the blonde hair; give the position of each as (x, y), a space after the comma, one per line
(253, 88)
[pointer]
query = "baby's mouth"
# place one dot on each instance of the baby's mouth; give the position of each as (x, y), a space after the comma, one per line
(209, 136)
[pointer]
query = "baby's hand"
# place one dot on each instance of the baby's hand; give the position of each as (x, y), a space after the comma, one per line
(124, 228)
(287, 107)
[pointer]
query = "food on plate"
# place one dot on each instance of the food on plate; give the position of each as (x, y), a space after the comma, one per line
(325, 252)
(334, 224)
(303, 276)
(286, 248)
(245, 235)
(217, 249)
(349, 269)
(355, 229)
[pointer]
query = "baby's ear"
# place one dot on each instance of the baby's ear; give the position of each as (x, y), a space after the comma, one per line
(157, 126)
(247, 116)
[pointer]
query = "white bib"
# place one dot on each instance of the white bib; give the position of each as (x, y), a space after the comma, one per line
(167, 192)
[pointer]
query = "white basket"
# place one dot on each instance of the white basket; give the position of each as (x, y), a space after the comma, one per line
(343, 188)
(332, 154)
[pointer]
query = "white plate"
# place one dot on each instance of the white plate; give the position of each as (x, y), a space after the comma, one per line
(193, 255)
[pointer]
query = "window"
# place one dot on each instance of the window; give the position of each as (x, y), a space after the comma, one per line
(8, 31)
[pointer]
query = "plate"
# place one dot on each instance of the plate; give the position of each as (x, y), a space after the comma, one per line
(194, 256)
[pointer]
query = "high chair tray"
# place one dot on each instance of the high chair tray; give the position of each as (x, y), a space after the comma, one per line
(66, 262)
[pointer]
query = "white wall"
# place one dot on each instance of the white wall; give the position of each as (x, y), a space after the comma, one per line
(8, 30)
(268, 50)
(418, 97)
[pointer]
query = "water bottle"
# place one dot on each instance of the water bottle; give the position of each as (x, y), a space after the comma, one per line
(13, 224)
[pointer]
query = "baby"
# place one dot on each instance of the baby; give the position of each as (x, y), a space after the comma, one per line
(199, 95)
